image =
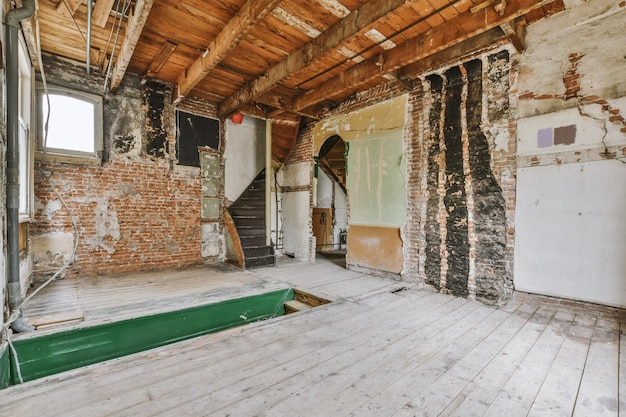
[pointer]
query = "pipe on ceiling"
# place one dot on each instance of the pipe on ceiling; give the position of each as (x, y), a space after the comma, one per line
(88, 58)
(12, 20)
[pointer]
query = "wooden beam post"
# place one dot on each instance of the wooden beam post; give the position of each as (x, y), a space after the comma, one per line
(252, 12)
(133, 31)
(516, 32)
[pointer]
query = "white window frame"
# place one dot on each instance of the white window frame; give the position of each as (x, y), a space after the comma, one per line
(66, 155)
(25, 117)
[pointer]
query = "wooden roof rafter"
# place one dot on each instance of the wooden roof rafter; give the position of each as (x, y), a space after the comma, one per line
(68, 7)
(101, 12)
(445, 35)
(351, 24)
(252, 12)
(133, 31)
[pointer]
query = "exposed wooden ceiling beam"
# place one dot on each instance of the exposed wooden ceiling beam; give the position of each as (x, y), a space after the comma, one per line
(447, 34)
(516, 32)
(101, 12)
(68, 7)
(133, 32)
(454, 52)
(161, 58)
(235, 30)
(352, 24)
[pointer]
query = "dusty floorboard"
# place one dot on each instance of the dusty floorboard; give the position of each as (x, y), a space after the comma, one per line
(372, 352)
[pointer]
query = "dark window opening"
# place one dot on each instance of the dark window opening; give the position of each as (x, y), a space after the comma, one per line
(194, 131)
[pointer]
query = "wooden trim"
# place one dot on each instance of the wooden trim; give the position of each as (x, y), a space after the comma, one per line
(447, 34)
(235, 30)
(295, 188)
(352, 24)
(133, 31)
(232, 229)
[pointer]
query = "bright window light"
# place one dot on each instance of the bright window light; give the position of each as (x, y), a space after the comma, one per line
(74, 133)
(71, 124)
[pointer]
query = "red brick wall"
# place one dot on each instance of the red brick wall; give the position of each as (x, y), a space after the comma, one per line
(138, 211)
(130, 216)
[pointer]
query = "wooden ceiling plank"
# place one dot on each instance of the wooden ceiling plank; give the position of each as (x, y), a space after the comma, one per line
(101, 12)
(133, 31)
(68, 7)
(235, 30)
(447, 34)
(161, 58)
(352, 24)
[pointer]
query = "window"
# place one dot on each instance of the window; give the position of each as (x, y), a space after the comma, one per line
(24, 120)
(74, 126)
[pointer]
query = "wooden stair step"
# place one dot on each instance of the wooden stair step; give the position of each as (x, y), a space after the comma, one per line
(293, 306)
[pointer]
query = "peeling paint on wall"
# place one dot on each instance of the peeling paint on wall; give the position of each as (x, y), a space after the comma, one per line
(465, 224)
(156, 134)
(378, 119)
(107, 227)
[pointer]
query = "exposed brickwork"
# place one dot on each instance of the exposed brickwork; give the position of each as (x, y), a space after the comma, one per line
(489, 222)
(139, 210)
(467, 176)
(571, 83)
(412, 232)
(459, 229)
(302, 150)
(130, 216)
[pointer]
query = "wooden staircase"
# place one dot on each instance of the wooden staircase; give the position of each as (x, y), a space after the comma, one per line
(248, 215)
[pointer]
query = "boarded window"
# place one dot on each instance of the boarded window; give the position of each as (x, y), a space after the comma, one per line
(194, 131)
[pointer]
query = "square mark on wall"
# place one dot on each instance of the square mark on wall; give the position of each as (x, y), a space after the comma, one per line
(565, 135)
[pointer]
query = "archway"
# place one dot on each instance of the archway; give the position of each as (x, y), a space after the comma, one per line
(330, 211)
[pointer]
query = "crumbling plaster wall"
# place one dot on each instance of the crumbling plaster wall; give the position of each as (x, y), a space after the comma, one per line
(572, 155)
(137, 211)
(464, 147)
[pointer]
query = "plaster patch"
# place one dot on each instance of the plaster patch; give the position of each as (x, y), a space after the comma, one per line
(500, 137)
(106, 225)
(51, 250)
(51, 208)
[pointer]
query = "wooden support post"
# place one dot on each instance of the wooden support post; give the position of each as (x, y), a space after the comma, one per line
(268, 182)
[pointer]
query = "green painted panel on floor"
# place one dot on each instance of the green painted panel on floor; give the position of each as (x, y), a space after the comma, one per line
(58, 352)
(5, 377)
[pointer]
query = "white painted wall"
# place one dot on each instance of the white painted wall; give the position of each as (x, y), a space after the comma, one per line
(296, 211)
(244, 154)
(571, 232)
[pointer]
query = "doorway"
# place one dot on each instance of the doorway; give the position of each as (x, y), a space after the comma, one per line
(330, 211)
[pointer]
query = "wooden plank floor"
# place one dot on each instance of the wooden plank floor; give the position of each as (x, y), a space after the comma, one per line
(374, 351)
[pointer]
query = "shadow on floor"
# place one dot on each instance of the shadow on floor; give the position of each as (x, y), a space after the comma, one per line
(338, 257)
